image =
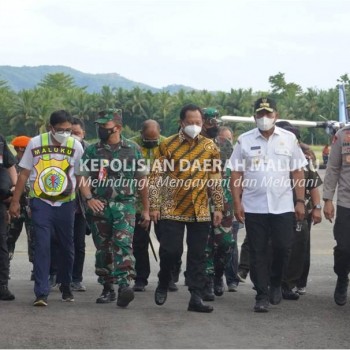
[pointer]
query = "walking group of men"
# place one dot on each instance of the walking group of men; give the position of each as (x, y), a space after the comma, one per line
(116, 187)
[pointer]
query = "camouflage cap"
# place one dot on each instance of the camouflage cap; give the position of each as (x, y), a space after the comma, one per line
(109, 115)
(210, 112)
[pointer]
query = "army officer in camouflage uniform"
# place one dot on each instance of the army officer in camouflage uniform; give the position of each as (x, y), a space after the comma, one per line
(113, 170)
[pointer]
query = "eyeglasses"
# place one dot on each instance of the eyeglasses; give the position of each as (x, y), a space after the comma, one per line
(60, 130)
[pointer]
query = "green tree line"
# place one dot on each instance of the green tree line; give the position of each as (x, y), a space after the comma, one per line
(27, 112)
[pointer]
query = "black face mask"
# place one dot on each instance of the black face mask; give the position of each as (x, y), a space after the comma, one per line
(212, 132)
(104, 133)
(150, 143)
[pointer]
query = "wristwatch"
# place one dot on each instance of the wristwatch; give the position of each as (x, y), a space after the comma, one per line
(317, 206)
(87, 198)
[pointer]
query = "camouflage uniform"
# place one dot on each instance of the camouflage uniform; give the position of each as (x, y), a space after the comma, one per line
(220, 242)
(15, 226)
(112, 229)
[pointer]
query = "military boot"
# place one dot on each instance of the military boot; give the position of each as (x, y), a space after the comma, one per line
(196, 303)
(5, 294)
(208, 290)
(108, 294)
(125, 295)
(341, 291)
(219, 286)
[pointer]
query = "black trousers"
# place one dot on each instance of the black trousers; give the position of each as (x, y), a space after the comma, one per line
(4, 255)
(171, 245)
(79, 247)
(140, 250)
(244, 256)
(342, 236)
(297, 257)
(278, 228)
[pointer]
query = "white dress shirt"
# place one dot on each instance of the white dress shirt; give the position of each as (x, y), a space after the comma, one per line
(266, 165)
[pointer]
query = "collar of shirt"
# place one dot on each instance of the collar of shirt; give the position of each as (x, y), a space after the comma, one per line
(113, 147)
(182, 137)
(258, 134)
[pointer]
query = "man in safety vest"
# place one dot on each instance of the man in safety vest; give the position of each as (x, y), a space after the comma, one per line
(51, 161)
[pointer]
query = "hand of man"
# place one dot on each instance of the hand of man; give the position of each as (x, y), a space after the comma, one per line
(145, 220)
(239, 213)
(95, 205)
(14, 209)
(155, 216)
(316, 216)
(328, 210)
(300, 211)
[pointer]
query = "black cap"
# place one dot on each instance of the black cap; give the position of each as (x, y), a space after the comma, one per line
(265, 103)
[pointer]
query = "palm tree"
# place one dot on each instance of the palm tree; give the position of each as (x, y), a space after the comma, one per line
(107, 98)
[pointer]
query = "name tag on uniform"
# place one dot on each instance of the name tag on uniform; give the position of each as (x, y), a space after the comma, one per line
(255, 147)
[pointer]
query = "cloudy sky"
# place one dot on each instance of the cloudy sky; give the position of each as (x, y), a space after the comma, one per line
(205, 44)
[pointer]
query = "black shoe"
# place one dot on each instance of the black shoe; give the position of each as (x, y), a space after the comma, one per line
(108, 295)
(275, 295)
(172, 287)
(341, 291)
(261, 306)
(139, 286)
(289, 294)
(5, 294)
(200, 308)
(160, 295)
(242, 275)
(67, 294)
(125, 295)
(40, 301)
(196, 304)
(219, 287)
(208, 291)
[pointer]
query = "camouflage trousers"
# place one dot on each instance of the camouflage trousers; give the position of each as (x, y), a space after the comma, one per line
(219, 248)
(14, 230)
(112, 232)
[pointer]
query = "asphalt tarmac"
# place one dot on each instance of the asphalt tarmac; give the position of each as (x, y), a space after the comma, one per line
(314, 321)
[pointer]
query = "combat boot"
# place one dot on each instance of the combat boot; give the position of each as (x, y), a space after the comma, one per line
(125, 295)
(341, 291)
(196, 303)
(208, 290)
(5, 294)
(219, 286)
(108, 294)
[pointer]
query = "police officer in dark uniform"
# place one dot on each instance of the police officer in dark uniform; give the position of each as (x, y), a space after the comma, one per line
(338, 175)
(8, 178)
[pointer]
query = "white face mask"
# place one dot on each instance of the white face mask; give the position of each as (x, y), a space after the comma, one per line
(61, 137)
(264, 123)
(77, 138)
(192, 130)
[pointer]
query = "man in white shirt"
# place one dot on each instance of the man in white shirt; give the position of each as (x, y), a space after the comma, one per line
(261, 164)
(51, 161)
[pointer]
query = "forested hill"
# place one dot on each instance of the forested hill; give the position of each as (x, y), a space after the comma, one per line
(19, 78)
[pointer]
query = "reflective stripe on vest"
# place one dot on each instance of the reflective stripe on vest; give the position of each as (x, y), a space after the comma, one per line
(46, 157)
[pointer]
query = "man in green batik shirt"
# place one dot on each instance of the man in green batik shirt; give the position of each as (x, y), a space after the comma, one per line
(113, 170)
